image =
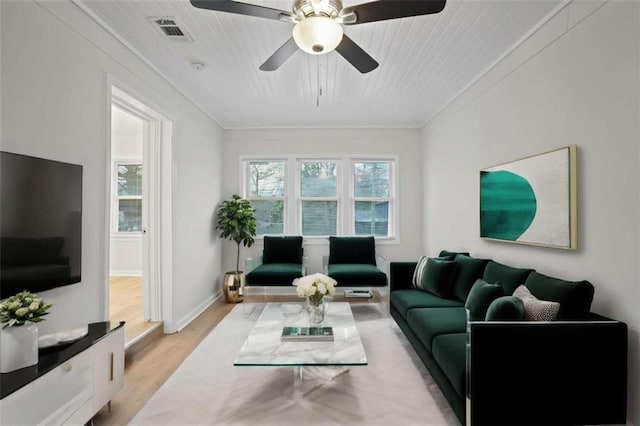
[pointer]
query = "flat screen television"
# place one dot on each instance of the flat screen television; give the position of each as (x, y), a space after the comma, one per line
(40, 224)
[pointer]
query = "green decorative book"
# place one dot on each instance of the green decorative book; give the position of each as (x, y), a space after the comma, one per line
(307, 334)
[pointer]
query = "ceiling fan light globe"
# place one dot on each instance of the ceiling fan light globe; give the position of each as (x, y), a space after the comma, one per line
(317, 34)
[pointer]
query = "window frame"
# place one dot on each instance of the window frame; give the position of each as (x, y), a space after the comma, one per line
(345, 185)
(116, 197)
(245, 187)
(337, 198)
(391, 197)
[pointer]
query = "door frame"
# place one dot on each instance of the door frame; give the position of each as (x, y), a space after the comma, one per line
(158, 263)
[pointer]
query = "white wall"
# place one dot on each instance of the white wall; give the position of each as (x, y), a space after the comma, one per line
(55, 66)
(127, 133)
(576, 81)
(405, 143)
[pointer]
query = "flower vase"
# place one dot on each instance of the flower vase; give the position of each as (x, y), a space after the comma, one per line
(18, 347)
(316, 311)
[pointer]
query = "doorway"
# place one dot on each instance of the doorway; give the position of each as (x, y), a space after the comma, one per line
(138, 138)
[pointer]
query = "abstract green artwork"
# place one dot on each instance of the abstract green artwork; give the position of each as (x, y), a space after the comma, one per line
(531, 201)
(508, 205)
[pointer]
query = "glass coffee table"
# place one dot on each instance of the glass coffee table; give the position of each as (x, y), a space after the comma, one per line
(324, 360)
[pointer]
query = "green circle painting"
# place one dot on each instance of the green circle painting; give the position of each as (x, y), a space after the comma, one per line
(508, 205)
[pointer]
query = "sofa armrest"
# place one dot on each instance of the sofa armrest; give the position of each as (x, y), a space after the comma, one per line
(305, 263)
(252, 263)
(325, 265)
(569, 372)
(401, 275)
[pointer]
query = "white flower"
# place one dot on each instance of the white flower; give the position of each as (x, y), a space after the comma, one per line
(310, 285)
(300, 290)
(21, 308)
(330, 288)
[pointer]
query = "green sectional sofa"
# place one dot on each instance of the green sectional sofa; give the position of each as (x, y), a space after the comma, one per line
(572, 370)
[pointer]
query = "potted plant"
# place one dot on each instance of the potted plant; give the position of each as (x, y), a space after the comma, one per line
(236, 222)
(19, 333)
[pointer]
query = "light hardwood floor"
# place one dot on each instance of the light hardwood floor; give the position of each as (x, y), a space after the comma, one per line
(125, 304)
(153, 365)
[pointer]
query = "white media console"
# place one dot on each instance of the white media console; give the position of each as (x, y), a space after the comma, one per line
(70, 384)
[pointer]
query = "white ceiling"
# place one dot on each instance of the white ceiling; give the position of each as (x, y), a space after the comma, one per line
(424, 61)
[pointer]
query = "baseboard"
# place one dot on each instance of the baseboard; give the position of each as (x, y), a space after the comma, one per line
(125, 273)
(141, 343)
(193, 314)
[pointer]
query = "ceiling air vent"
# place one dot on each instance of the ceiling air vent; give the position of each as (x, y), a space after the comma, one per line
(170, 28)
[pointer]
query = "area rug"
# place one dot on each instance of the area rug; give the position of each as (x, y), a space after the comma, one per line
(394, 389)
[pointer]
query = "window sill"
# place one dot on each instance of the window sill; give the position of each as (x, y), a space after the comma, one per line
(324, 241)
(126, 235)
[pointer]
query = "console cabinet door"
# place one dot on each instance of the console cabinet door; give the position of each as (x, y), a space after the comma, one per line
(108, 368)
(52, 398)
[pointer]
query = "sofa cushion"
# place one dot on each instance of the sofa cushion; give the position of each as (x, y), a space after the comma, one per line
(352, 250)
(437, 277)
(482, 294)
(509, 277)
(449, 351)
(575, 297)
(404, 300)
(427, 323)
(282, 249)
(536, 309)
(506, 308)
(274, 274)
(357, 275)
(451, 254)
(421, 265)
(468, 270)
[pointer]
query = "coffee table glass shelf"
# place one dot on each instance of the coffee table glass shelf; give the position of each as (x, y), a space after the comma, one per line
(263, 346)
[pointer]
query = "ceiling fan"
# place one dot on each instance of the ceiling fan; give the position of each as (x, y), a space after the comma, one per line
(318, 24)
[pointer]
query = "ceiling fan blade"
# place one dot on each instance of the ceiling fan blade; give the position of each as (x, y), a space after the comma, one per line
(382, 10)
(240, 8)
(356, 55)
(280, 56)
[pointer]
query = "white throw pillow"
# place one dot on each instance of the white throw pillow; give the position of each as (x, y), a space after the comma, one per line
(534, 308)
(419, 271)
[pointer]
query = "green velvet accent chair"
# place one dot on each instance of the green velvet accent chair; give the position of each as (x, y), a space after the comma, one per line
(352, 262)
(282, 261)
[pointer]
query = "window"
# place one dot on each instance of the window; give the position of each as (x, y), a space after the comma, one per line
(319, 197)
(265, 188)
(128, 198)
(371, 197)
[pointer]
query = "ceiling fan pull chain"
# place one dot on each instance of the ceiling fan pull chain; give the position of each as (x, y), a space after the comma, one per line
(319, 92)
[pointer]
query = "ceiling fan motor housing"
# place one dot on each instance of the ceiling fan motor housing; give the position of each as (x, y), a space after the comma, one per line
(327, 8)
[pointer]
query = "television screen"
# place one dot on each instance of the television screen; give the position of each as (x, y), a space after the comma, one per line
(40, 224)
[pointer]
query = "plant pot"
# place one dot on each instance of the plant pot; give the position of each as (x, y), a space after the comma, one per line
(18, 347)
(233, 286)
